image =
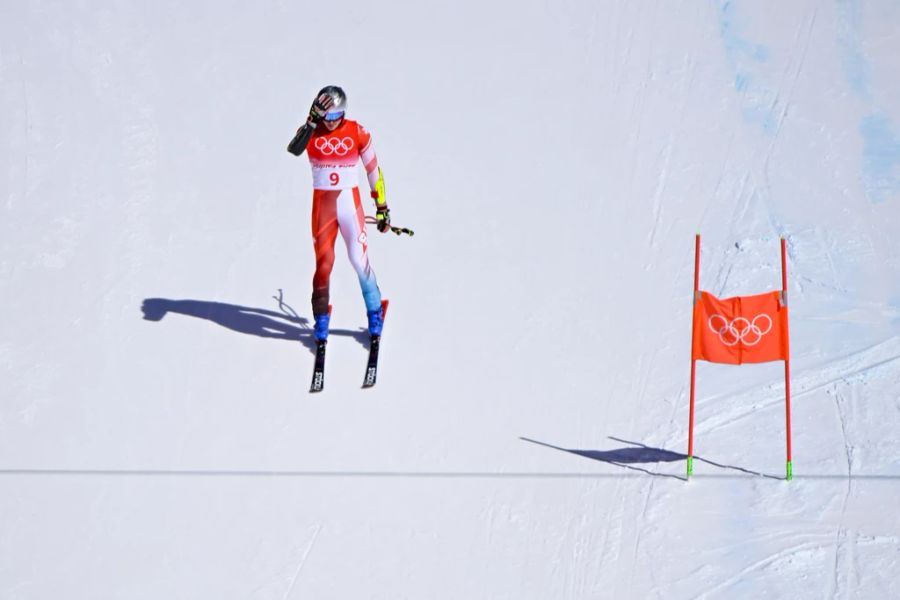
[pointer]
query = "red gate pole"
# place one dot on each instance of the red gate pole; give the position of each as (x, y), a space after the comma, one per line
(787, 361)
(690, 456)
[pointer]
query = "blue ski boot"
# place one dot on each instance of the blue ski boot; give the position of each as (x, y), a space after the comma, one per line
(376, 322)
(321, 329)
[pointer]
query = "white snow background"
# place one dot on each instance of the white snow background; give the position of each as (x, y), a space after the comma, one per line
(526, 438)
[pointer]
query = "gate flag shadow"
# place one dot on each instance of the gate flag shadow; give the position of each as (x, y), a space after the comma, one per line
(243, 319)
(637, 453)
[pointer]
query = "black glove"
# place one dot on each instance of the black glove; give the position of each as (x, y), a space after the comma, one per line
(319, 107)
(383, 219)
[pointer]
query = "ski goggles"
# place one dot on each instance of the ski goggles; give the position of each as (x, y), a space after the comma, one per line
(334, 116)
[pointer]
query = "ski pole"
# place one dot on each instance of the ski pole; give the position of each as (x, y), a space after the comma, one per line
(397, 230)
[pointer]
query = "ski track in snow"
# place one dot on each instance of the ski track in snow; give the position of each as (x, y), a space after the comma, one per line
(302, 563)
(761, 564)
(840, 543)
(863, 363)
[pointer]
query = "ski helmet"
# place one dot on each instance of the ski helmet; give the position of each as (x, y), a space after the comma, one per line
(339, 98)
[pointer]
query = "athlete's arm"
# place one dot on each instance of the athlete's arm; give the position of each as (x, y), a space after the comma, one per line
(376, 180)
(373, 174)
(368, 158)
(317, 112)
(298, 144)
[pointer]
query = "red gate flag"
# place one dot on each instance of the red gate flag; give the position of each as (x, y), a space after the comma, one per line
(743, 329)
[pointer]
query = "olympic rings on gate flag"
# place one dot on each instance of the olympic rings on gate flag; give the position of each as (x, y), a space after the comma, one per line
(740, 329)
(333, 145)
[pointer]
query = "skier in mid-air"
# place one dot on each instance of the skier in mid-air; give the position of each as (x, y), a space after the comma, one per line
(335, 145)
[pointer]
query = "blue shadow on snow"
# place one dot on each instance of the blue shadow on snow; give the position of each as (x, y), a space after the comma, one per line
(243, 319)
(638, 453)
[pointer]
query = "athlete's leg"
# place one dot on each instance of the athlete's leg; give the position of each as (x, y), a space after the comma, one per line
(324, 231)
(352, 222)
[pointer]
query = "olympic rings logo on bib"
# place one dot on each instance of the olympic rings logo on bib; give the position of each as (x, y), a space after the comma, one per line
(336, 146)
(740, 329)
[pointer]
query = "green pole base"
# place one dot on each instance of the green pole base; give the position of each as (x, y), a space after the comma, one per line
(690, 466)
(790, 471)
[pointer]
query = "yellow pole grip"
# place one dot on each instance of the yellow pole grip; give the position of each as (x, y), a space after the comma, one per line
(379, 188)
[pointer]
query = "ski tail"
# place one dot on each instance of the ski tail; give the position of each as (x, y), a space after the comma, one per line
(318, 377)
(374, 348)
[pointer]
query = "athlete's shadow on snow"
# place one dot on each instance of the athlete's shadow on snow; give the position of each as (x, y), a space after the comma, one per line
(638, 453)
(243, 319)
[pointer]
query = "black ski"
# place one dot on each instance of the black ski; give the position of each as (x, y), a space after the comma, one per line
(374, 345)
(318, 378)
(372, 365)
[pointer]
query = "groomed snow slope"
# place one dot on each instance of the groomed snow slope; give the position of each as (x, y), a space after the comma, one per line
(526, 437)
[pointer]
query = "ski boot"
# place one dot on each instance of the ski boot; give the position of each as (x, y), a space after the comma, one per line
(376, 322)
(321, 328)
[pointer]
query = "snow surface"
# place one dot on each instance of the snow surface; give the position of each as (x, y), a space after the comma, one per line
(526, 437)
